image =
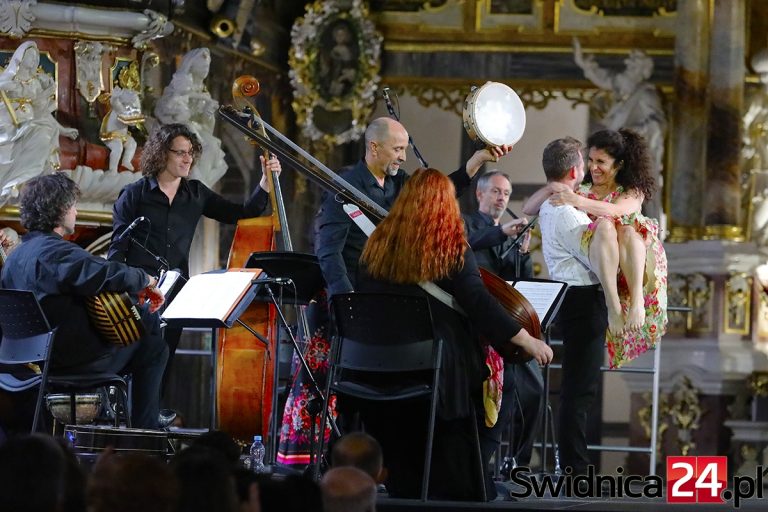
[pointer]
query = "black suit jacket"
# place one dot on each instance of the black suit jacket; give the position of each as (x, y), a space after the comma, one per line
(489, 242)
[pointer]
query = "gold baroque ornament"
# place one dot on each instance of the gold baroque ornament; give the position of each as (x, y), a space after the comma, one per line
(335, 61)
(686, 411)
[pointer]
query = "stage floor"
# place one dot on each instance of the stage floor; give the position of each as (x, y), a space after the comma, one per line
(589, 504)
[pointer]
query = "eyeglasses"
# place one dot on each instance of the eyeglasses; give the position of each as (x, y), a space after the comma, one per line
(181, 153)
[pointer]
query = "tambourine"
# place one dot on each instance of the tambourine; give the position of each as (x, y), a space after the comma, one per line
(494, 114)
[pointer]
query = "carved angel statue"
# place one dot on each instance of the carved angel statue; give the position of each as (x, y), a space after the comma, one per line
(636, 104)
(186, 100)
(29, 134)
(124, 111)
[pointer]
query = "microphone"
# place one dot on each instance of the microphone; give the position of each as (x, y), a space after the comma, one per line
(131, 227)
(273, 280)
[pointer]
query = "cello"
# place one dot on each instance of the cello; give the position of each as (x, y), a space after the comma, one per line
(245, 368)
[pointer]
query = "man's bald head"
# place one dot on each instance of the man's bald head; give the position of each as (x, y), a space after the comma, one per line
(385, 144)
(348, 489)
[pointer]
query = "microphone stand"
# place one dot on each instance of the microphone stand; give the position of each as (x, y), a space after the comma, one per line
(392, 113)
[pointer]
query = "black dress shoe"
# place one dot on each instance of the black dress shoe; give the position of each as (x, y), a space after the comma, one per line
(166, 417)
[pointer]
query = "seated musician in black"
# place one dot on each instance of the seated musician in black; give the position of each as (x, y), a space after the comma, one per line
(426, 227)
(338, 245)
(523, 385)
(62, 275)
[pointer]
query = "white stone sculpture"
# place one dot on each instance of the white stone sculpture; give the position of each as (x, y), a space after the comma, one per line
(88, 55)
(755, 151)
(636, 105)
(29, 134)
(186, 100)
(125, 111)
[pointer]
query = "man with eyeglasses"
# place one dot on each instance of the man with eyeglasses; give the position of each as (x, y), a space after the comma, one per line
(172, 205)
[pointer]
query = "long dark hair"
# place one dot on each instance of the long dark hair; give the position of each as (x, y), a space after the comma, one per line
(155, 153)
(630, 152)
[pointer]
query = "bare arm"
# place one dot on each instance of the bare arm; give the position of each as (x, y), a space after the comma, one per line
(532, 204)
(628, 202)
(488, 154)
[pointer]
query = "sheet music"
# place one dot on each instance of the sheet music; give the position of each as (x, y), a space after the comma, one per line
(541, 295)
(168, 280)
(211, 295)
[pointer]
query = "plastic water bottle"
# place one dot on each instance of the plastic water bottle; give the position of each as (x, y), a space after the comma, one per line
(257, 455)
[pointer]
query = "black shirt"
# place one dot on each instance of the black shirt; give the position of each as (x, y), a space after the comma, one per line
(62, 275)
(339, 242)
(170, 227)
(489, 243)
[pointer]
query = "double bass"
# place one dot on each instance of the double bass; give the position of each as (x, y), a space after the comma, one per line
(245, 367)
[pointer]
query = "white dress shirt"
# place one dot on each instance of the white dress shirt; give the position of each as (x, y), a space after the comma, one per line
(561, 231)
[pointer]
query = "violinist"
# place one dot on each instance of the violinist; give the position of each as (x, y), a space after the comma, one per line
(172, 205)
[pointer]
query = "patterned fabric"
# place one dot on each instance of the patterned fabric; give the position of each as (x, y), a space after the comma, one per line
(627, 346)
(493, 386)
(295, 435)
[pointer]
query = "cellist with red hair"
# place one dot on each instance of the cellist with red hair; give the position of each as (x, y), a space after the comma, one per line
(422, 239)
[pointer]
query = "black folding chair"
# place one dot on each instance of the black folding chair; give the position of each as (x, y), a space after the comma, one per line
(385, 334)
(25, 351)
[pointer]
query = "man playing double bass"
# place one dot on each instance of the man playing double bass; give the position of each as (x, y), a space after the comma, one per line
(338, 246)
(172, 204)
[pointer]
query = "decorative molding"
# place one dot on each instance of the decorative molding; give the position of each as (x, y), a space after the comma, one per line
(737, 306)
(592, 19)
(24, 18)
(701, 292)
(685, 411)
(677, 289)
(16, 17)
(489, 21)
(88, 57)
(157, 26)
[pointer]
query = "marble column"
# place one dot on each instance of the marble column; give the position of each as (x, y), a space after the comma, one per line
(688, 138)
(721, 215)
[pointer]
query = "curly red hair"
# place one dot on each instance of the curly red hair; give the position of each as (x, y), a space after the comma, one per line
(422, 238)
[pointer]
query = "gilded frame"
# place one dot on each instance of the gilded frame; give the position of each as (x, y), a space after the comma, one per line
(334, 65)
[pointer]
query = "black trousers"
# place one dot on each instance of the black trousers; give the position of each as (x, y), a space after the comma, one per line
(583, 320)
(145, 361)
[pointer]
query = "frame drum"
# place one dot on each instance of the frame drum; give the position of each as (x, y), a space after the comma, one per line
(494, 114)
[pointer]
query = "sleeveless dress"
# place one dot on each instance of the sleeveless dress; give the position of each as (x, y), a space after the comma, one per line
(627, 346)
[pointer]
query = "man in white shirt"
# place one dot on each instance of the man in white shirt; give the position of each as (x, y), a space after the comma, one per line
(583, 318)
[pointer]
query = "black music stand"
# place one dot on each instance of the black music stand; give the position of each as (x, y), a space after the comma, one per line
(303, 269)
(236, 309)
(300, 280)
(546, 297)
